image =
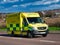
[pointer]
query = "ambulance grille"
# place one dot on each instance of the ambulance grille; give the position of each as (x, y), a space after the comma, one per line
(41, 28)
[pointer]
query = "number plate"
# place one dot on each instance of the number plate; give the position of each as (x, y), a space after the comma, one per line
(42, 32)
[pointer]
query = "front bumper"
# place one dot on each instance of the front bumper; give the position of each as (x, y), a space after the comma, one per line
(40, 32)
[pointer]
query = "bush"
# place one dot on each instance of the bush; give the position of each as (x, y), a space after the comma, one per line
(55, 22)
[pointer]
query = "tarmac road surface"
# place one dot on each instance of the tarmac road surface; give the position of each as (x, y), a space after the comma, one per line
(51, 39)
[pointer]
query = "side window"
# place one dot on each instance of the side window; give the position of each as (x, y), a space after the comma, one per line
(25, 22)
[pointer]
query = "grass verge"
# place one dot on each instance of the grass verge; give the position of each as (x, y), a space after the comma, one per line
(2, 29)
(54, 28)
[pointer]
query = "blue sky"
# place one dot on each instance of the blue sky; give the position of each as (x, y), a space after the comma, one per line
(7, 6)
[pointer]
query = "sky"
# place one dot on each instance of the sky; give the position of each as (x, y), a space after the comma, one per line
(7, 6)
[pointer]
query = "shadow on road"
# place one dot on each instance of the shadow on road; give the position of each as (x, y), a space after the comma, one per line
(18, 36)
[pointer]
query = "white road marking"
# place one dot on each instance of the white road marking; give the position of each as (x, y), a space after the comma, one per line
(49, 41)
(18, 38)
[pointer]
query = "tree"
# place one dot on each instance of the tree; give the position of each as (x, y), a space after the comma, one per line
(50, 14)
(40, 13)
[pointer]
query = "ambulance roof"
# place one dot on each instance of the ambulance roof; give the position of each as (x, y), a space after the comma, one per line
(31, 14)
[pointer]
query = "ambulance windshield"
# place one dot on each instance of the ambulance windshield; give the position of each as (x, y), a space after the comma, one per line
(35, 20)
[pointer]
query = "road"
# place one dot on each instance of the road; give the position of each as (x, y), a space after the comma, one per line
(51, 39)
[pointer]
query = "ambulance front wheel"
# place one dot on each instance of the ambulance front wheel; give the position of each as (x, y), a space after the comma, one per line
(44, 35)
(30, 34)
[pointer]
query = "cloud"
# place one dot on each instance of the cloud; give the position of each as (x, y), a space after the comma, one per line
(51, 1)
(25, 5)
(57, 0)
(35, 5)
(15, 6)
(4, 0)
(55, 6)
(12, 7)
(6, 9)
(50, 7)
(9, 1)
(43, 2)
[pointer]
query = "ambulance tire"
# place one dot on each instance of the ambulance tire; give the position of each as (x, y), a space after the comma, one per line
(12, 34)
(44, 35)
(30, 34)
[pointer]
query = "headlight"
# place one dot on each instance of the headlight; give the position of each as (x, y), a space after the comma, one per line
(33, 28)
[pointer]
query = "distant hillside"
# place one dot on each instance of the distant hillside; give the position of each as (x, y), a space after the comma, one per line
(50, 13)
(55, 10)
(54, 13)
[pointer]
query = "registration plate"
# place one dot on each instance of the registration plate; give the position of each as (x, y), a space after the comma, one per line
(42, 32)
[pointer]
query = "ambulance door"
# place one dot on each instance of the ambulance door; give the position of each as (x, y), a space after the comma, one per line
(25, 24)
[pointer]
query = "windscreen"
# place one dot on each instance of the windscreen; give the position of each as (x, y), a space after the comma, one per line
(34, 20)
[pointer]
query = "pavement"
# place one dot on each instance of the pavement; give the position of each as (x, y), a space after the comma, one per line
(51, 39)
(56, 32)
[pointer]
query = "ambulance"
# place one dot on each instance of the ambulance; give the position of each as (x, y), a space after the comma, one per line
(26, 24)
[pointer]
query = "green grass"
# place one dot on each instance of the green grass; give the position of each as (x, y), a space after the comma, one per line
(2, 29)
(54, 28)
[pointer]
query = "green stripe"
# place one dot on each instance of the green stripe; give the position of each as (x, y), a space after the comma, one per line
(17, 25)
(13, 27)
(8, 25)
(17, 28)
